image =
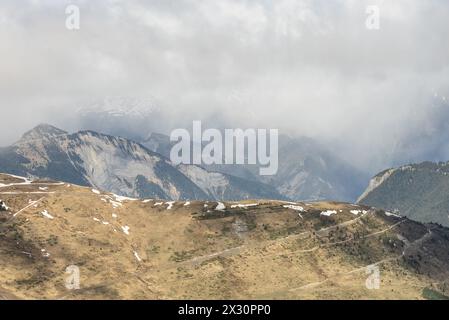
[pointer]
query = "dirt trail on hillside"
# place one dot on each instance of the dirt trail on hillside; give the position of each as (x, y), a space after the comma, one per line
(413, 245)
(261, 244)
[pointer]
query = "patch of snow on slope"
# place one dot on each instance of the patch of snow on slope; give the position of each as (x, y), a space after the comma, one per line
(328, 213)
(389, 214)
(356, 212)
(244, 206)
(293, 207)
(26, 180)
(96, 191)
(115, 204)
(122, 198)
(288, 202)
(220, 206)
(47, 215)
(187, 204)
(137, 256)
(45, 254)
(170, 205)
(125, 230)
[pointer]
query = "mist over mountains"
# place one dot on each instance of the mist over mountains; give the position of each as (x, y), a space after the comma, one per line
(141, 118)
(308, 169)
(309, 68)
(143, 169)
(348, 101)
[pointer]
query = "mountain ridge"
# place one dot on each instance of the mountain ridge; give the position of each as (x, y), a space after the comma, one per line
(307, 171)
(110, 163)
(337, 179)
(419, 191)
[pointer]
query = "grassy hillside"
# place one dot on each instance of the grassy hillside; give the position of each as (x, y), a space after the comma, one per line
(150, 249)
(420, 192)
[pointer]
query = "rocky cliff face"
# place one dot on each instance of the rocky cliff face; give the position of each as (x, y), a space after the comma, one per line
(307, 171)
(115, 164)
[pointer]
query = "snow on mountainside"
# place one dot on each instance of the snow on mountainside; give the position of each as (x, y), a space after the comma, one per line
(114, 164)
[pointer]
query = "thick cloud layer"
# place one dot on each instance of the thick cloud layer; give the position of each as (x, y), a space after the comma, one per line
(307, 67)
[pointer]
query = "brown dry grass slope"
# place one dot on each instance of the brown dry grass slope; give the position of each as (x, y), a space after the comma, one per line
(151, 249)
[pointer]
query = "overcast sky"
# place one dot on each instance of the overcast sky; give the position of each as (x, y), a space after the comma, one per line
(307, 67)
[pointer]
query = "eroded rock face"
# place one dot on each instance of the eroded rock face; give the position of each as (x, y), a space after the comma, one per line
(120, 166)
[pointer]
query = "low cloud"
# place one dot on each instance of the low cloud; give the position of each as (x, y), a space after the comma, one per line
(306, 67)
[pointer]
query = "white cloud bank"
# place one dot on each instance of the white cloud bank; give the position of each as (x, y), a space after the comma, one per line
(307, 67)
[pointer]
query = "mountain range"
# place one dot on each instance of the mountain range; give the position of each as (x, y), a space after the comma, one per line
(142, 169)
(307, 171)
(121, 166)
